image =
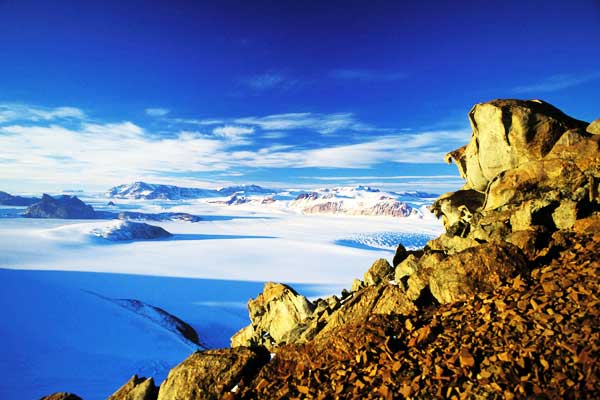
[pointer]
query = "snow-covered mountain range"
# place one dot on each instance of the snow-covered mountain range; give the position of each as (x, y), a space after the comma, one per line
(150, 191)
(346, 200)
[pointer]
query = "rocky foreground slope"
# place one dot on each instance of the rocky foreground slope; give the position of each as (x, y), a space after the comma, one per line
(504, 304)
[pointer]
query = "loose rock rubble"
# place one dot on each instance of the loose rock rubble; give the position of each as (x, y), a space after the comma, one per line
(537, 335)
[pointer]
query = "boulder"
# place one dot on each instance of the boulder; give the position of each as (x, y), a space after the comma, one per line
(530, 241)
(451, 244)
(475, 270)
(506, 134)
(379, 299)
(533, 180)
(458, 207)
(211, 374)
(418, 282)
(136, 389)
(594, 127)
(406, 268)
(380, 271)
(63, 207)
(61, 396)
(275, 312)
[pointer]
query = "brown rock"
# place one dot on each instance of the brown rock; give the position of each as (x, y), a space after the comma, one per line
(508, 133)
(61, 396)
(419, 281)
(211, 374)
(588, 226)
(531, 180)
(380, 271)
(594, 127)
(565, 215)
(275, 312)
(380, 299)
(136, 389)
(406, 268)
(530, 241)
(475, 270)
(451, 244)
(458, 207)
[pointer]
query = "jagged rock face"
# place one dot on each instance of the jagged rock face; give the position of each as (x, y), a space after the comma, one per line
(64, 207)
(475, 270)
(62, 396)
(381, 271)
(508, 133)
(275, 312)
(136, 389)
(528, 166)
(210, 374)
(381, 299)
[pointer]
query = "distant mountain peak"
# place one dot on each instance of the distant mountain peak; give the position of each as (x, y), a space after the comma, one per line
(151, 191)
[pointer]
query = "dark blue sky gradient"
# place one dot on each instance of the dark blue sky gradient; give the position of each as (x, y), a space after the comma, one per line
(392, 64)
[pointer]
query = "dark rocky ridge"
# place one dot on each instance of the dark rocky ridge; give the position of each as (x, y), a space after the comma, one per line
(505, 304)
(71, 207)
(10, 200)
(64, 207)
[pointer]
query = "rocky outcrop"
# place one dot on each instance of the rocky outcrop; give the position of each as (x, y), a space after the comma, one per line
(61, 396)
(475, 270)
(213, 373)
(64, 207)
(508, 133)
(381, 271)
(274, 313)
(535, 336)
(528, 166)
(136, 389)
(594, 127)
(119, 231)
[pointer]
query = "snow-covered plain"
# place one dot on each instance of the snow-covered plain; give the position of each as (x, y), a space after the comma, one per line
(60, 336)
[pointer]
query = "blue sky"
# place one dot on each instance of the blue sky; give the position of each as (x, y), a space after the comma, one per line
(94, 94)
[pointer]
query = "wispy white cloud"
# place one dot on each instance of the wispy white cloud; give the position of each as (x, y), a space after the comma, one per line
(367, 75)
(20, 112)
(233, 131)
(423, 147)
(271, 81)
(273, 135)
(194, 121)
(322, 123)
(102, 153)
(157, 112)
(265, 81)
(46, 147)
(556, 83)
